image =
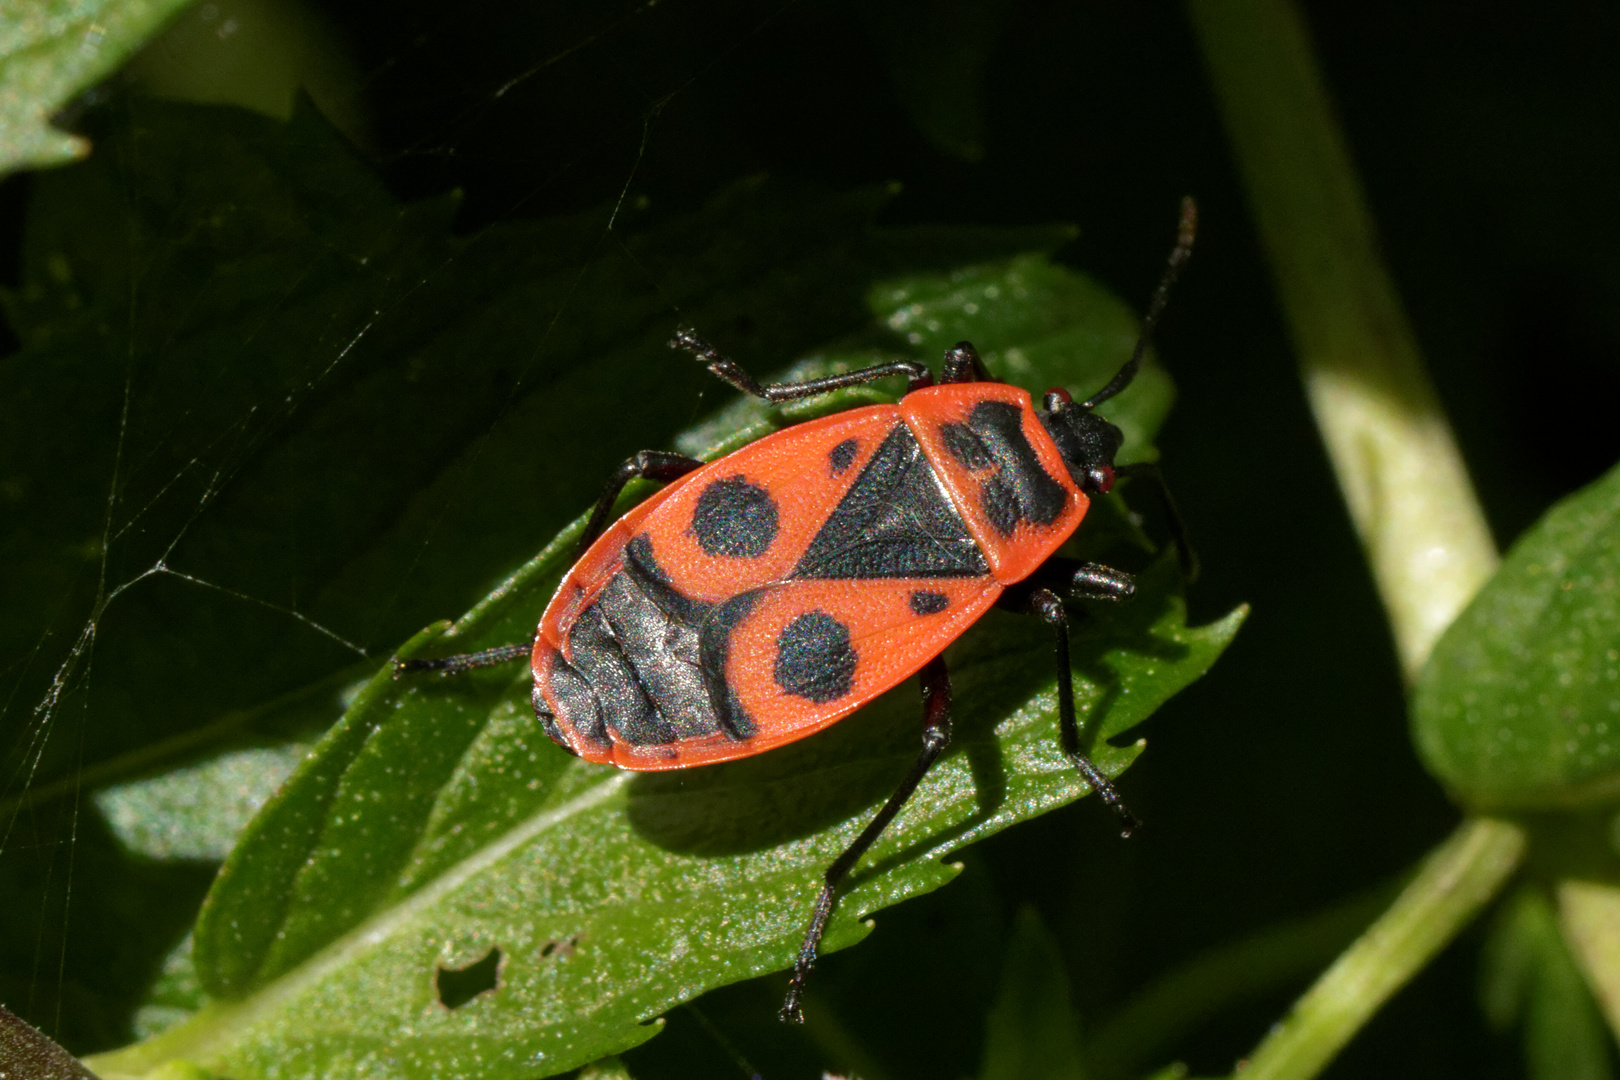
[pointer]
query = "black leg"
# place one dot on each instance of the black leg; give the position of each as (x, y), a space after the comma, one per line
(1046, 604)
(917, 375)
(936, 697)
(1147, 470)
(962, 364)
(455, 665)
(648, 464)
(1072, 578)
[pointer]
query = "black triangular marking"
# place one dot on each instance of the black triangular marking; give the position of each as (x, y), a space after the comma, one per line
(894, 522)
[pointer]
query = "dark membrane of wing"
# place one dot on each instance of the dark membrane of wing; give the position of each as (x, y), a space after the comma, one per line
(662, 652)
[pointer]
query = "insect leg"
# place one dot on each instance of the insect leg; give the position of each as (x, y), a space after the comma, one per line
(1072, 578)
(917, 375)
(936, 697)
(645, 465)
(455, 665)
(1147, 470)
(648, 464)
(962, 364)
(1049, 607)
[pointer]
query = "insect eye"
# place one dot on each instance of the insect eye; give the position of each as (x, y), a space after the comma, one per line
(1056, 398)
(1100, 479)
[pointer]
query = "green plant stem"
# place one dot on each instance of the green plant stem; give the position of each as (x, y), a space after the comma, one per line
(1392, 449)
(1274, 959)
(1589, 915)
(1454, 882)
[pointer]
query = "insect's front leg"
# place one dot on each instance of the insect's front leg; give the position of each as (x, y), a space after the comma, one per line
(1085, 579)
(936, 701)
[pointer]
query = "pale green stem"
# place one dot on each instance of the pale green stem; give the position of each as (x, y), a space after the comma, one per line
(1589, 915)
(1251, 968)
(1393, 453)
(1455, 881)
(1392, 449)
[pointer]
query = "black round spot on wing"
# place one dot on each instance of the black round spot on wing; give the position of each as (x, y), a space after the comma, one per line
(929, 603)
(814, 659)
(842, 456)
(734, 518)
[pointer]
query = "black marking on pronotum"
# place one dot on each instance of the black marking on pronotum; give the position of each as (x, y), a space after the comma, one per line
(714, 649)
(929, 603)
(734, 518)
(814, 659)
(842, 456)
(894, 522)
(966, 447)
(1020, 490)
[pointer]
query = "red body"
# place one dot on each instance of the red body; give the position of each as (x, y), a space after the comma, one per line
(770, 593)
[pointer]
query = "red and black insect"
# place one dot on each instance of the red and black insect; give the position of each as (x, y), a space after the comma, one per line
(764, 596)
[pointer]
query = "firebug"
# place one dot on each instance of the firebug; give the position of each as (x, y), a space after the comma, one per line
(764, 596)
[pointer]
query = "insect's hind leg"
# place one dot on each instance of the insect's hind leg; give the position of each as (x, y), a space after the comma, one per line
(649, 465)
(936, 699)
(917, 374)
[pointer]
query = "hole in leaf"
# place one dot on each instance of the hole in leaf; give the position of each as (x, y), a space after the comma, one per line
(457, 986)
(560, 949)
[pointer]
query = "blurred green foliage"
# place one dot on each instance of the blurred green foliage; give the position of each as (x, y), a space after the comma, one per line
(1519, 707)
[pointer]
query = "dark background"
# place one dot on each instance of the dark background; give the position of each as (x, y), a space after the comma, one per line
(1488, 136)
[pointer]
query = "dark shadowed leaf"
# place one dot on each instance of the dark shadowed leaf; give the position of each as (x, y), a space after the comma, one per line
(266, 421)
(425, 405)
(1529, 981)
(1032, 1032)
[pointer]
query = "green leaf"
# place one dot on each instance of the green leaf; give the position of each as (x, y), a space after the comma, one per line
(197, 811)
(306, 417)
(51, 50)
(175, 996)
(306, 420)
(607, 1069)
(435, 824)
(590, 882)
(1032, 1032)
(1519, 707)
(1529, 980)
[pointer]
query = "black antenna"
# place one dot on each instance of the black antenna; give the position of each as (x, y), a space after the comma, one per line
(1178, 258)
